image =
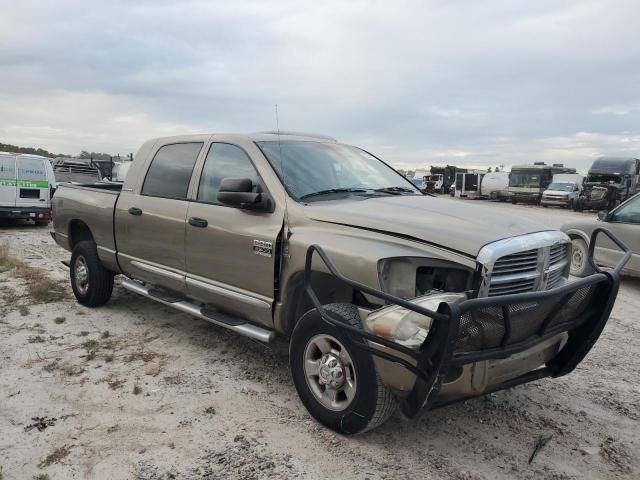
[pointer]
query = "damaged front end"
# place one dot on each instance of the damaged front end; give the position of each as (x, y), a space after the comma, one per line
(436, 337)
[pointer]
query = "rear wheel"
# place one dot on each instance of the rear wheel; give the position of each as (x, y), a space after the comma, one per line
(337, 382)
(92, 284)
(580, 266)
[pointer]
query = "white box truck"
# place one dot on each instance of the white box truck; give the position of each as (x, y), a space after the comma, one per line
(26, 187)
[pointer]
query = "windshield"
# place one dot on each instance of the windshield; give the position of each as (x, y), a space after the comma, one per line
(524, 179)
(563, 187)
(312, 168)
(601, 178)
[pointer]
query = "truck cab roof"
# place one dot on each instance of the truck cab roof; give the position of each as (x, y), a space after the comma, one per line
(255, 137)
(614, 165)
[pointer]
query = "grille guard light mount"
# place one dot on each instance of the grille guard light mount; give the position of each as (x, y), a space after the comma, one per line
(430, 363)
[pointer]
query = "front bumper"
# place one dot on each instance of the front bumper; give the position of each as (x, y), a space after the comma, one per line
(525, 197)
(25, 213)
(557, 326)
(558, 202)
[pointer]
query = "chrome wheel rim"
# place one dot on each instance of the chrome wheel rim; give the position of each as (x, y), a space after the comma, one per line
(329, 372)
(81, 272)
(577, 257)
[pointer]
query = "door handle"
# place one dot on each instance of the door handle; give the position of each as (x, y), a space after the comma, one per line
(198, 222)
(135, 211)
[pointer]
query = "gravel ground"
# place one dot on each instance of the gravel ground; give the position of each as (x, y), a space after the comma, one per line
(136, 390)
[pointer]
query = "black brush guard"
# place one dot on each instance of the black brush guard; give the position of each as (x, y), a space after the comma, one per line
(489, 328)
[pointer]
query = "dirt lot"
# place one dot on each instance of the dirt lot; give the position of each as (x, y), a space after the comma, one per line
(136, 390)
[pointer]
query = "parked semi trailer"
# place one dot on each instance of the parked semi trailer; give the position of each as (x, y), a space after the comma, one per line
(610, 181)
(446, 176)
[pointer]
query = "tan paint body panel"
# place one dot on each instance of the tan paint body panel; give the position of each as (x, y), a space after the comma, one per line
(94, 208)
(606, 252)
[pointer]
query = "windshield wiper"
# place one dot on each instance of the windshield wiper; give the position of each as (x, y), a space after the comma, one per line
(333, 190)
(395, 190)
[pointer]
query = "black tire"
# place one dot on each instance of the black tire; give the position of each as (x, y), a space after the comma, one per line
(580, 266)
(372, 404)
(98, 287)
(571, 204)
(513, 202)
(42, 223)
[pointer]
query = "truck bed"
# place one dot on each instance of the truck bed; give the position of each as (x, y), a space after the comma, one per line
(91, 204)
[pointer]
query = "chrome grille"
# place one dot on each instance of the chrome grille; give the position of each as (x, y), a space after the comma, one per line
(528, 270)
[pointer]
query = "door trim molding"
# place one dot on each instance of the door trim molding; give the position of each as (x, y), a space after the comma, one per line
(225, 291)
(158, 270)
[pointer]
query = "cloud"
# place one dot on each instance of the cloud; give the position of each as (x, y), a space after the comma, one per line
(418, 82)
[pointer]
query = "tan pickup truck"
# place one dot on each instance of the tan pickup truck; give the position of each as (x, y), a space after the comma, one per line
(388, 297)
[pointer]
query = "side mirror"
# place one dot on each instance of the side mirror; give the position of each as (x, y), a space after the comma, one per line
(603, 215)
(238, 192)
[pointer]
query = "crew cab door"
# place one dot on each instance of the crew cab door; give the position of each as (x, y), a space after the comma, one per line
(231, 253)
(150, 224)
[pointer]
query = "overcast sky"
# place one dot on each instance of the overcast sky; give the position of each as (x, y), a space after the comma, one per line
(418, 83)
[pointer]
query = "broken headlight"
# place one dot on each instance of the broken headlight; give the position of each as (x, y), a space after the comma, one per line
(404, 326)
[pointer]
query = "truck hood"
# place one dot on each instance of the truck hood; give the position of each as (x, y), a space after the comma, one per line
(460, 226)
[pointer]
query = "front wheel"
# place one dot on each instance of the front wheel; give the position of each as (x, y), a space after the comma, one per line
(337, 382)
(580, 266)
(92, 284)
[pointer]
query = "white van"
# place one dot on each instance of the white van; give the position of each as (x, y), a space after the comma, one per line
(27, 184)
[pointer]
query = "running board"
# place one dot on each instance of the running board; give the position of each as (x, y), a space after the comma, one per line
(208, 314)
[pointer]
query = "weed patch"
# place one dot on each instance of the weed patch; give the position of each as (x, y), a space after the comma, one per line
(41, 288)
(72, 370)
(56, 456)
(51, 367)
(7, 261)
(144, 356)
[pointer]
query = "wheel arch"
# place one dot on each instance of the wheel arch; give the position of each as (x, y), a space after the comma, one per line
(574, 233)
(296, 302)
(79, 231)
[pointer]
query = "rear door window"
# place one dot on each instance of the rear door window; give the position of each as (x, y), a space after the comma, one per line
(170, 171)
(31, 173)
(7, 171)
